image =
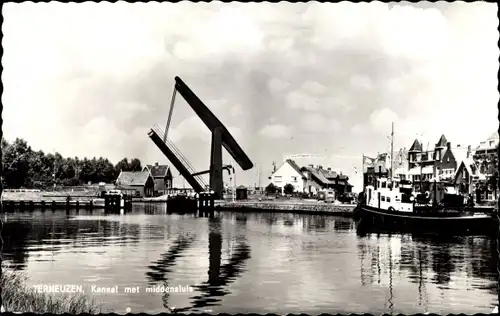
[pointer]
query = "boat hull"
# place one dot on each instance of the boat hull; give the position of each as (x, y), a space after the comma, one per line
(370, 219)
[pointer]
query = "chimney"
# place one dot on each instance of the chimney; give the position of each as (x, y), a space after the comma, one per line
(448, 145)
(469, 151)
(320, 167)
(311, 166)
(329, 169)
(156, 164)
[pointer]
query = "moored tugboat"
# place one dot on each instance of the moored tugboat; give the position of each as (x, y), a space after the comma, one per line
(391, 206)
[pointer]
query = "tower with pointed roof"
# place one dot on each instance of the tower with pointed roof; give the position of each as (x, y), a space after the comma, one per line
(440, 147)
(415, 149)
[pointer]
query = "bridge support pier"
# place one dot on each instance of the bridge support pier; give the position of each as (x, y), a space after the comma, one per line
(206, 205)
(216, 183)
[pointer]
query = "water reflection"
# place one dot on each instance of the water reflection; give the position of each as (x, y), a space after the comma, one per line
(57, 231)
(219, 277)
(446, 264)
(160, 268)
(251, 262)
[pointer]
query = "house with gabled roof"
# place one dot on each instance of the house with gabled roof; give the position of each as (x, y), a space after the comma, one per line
(288, 173)
(135, 183)
(465, 176)
(162, 176)
(316, 179)
(319, 178)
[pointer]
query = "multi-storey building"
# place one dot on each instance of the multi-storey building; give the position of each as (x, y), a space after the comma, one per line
(381, 165)
(486, 155)
(437, 164)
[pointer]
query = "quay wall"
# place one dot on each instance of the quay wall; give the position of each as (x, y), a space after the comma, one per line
(50, 200)
(344, 210)
(49, 196)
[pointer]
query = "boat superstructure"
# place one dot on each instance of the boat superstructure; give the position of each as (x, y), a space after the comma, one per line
(390, 195)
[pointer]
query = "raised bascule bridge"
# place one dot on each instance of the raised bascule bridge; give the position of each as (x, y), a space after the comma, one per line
(220, 138)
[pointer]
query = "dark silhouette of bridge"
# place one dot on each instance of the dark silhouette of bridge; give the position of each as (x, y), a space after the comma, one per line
(220, 138)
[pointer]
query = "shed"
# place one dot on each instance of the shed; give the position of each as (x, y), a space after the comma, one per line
(241, 192)
(136, 183)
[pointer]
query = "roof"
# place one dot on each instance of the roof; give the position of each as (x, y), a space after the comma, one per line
(294, 166)
(442, 142)
(468, 165)
(329, 174)
(494, 136)
(486, 143)
(241, 187)
(158, 170)
(416, 146)
(318, 175)
(383, 157)
(132, 178)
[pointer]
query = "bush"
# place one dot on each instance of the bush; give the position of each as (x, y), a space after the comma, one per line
(288, 189)
(271, 189)
(17, 297)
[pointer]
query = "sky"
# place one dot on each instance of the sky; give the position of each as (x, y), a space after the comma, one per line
(91, 79)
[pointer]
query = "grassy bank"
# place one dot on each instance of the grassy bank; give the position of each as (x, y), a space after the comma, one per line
(18, 298)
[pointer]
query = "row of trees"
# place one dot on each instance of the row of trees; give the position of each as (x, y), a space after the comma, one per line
(287, 189)
(25, 167)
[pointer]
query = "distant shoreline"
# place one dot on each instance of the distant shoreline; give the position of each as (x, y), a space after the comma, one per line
(298, 206)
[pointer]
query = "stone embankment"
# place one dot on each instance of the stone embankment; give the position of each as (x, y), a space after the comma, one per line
(288, 207)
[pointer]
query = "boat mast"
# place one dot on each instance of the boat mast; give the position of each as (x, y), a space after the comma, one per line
(392, 148)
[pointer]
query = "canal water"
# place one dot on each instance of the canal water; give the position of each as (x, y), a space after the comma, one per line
(249, 262)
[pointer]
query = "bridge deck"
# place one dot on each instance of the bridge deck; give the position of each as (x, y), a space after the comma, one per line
(195, 182)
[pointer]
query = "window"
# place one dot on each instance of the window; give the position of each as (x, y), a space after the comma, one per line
(382, 198)
(448, 159)
(388, 199)
(383, 184)
(294, 179)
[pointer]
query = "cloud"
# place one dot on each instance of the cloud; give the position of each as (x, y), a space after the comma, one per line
(357, 129)
(381, 119)
(275, 131)
(430, 68)
(318, 123)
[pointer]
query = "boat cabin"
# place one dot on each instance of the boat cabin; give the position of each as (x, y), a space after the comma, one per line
(387, 195)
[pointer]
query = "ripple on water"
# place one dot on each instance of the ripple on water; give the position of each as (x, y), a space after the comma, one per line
(254, 262)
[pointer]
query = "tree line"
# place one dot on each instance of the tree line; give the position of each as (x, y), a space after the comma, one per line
(24, 167)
